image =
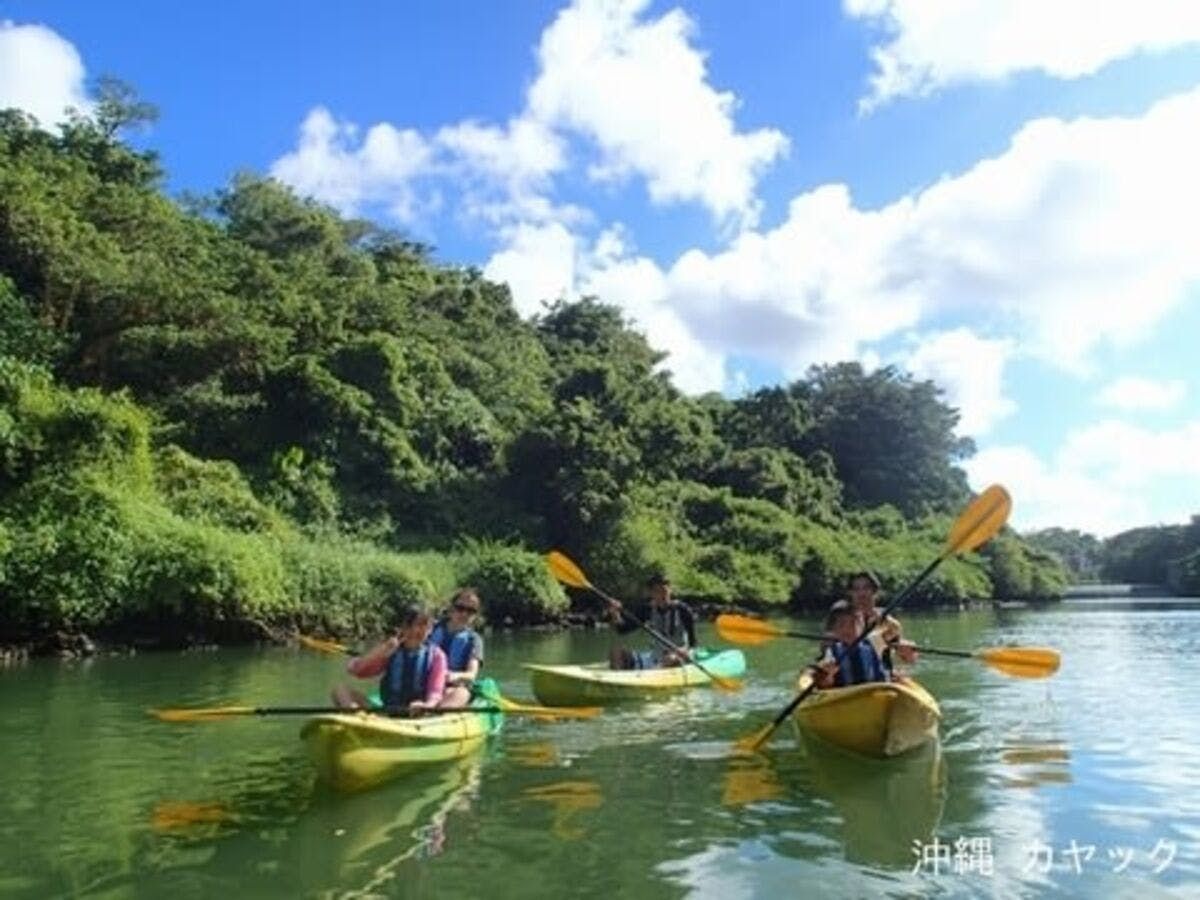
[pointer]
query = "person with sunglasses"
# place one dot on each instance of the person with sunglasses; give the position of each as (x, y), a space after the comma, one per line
(462, 645)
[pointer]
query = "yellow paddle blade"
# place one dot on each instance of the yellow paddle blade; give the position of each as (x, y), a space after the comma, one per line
(1022, 662)
(320, 645)
(980, 521)
(745, 630)
(549, 712)
(564, 570)
(201, 715)
(751, 742)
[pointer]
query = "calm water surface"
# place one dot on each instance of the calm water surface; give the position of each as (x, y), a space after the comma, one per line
(100, 800)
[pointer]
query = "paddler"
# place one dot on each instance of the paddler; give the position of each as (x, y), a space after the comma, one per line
(463, 646)
(413, 671)
(887, 637)
(669, 617)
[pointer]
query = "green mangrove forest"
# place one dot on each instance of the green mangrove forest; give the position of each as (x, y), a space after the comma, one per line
(226, 417)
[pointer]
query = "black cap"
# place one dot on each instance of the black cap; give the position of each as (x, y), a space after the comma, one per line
(658, 578)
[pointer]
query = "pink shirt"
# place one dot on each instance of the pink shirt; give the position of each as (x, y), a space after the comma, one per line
(435, 684)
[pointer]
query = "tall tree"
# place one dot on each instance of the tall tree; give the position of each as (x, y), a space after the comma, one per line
(891, 437)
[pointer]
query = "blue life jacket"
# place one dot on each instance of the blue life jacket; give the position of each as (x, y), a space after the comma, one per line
(456, 646)
(406, 675)
(858, 666)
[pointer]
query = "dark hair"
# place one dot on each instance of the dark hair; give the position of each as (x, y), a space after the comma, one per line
(657, 579)
(468, 597)
(867, 574)
(411, 614)
(837, 612)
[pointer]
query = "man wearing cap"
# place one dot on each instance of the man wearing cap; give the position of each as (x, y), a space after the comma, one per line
(670, 618)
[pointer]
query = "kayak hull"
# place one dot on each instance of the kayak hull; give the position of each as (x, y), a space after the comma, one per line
(880, 719)
(598, 685)
(356, 751)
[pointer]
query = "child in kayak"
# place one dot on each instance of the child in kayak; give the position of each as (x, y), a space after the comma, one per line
(670, 618)
(413, 671)
(859, 664)
(887, 637)
(462, 645)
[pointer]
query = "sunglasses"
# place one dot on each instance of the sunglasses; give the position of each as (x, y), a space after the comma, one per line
(461, 607)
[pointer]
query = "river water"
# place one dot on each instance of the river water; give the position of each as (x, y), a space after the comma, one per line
(1083, 785)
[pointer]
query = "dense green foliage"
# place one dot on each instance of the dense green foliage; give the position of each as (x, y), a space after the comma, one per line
(1164, 554)
(248, 411)
(1081, 553)
(1160, 554)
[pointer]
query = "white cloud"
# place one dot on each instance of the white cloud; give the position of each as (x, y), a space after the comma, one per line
(40, 72)
(1134, 394)
(637, 89)
(933, 43)
(1105, 478)
(615, 274)
(503, 175)
(539, 264)
(640, 90)
(970, 370)
(1131, 457)
(1080, 234)
(524, 152)
(333, 166)
(544, 262)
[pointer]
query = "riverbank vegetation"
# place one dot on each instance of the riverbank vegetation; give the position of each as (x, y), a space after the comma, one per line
(226, 416)
(1167, 555)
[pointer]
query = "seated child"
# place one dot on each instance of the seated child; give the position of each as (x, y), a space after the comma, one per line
(842, 665)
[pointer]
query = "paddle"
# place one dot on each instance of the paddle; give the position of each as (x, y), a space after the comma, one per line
(230, 712)
(506, 705)
(1019, 662)
(565, 571)
(978, 523)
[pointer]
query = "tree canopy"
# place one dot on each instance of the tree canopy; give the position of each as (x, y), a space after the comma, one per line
(247, 406)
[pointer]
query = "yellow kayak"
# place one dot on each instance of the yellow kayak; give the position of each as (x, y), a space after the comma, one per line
(597, 684)
(354, 751)
(880, 719)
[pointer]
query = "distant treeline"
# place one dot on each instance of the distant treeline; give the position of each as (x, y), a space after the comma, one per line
(1157, 554)
(230, 414)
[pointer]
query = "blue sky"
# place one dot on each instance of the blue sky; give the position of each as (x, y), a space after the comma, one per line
(996, 195)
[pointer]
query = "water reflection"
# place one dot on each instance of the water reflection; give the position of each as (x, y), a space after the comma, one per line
(885, 805)
(539, 755)
(1036, 763)
(182, 816)
(568, 799)
(103, 801)
(750, 781)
